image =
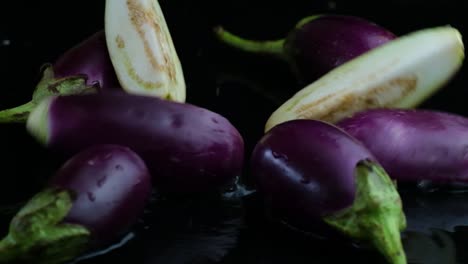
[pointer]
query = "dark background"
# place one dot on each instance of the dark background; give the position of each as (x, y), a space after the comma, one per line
(244, 88)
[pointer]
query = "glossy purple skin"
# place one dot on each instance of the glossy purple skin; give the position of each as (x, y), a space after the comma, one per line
(328, 41)
(91, 58)
(111, 184)
(414, 145)
(305, 169)
(187, 148)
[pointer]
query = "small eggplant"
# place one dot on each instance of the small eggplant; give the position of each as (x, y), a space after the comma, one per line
(91, 59)
(93, 199)
(311, 170)
(187, 148)
(84, 68)
(399, 74)
(318, 43)
(414, 145)
(142, 50)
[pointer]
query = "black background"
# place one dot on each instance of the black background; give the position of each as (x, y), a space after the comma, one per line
(244, 88)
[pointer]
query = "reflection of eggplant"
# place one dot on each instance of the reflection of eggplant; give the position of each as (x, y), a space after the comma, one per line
(434, 210)
(199, 230)
(439, 243)
(272, 242)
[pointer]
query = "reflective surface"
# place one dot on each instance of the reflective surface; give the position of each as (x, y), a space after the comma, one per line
(244, 88)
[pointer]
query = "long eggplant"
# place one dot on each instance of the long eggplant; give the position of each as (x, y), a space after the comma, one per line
(317, 43)
(187, 148)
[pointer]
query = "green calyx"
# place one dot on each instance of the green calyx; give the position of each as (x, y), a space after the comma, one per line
(47, 86)
(37, 233)
(376, 214)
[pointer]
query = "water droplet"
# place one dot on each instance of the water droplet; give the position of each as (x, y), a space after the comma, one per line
(465, 152)
(91, 196)
(118, 167)
(426, 186)
(280, 156)
(101, 181)
(91, 162)
(138, 113)
(177, 121)
(220, 131)
(174, 159)
(108, 156)
(305, 181)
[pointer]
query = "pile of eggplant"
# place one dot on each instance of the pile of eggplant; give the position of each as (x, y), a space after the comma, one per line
(115, 106)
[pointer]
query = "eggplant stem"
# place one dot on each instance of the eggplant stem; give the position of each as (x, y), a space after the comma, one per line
(308, 19)
(38, 234)
(385, 240)
(18, 114)
(47, 86)
(376, 214)
(270, 47)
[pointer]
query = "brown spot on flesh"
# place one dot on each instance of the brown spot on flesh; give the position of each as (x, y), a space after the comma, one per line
(344, 70)
(335, 107)
(120, 42)
(140, 17)
(148, 85)
(164, 46)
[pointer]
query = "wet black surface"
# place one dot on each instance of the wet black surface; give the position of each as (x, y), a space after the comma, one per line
(244, 88)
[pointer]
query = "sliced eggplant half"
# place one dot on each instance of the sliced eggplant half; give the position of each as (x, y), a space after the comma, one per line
(142, 50)
(402, 73)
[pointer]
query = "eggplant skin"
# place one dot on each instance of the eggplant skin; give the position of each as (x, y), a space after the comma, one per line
(111, 186)
(329, 40)
(414, 144)
(305, 169)
(189, 149)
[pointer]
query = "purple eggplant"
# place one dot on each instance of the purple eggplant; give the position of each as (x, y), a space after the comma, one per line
(187, 148)
(95, 197)
(85, 68)
(317, 44)
(414, 144)
(313, 171)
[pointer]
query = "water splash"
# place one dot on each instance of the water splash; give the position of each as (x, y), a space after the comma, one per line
(113, 247)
